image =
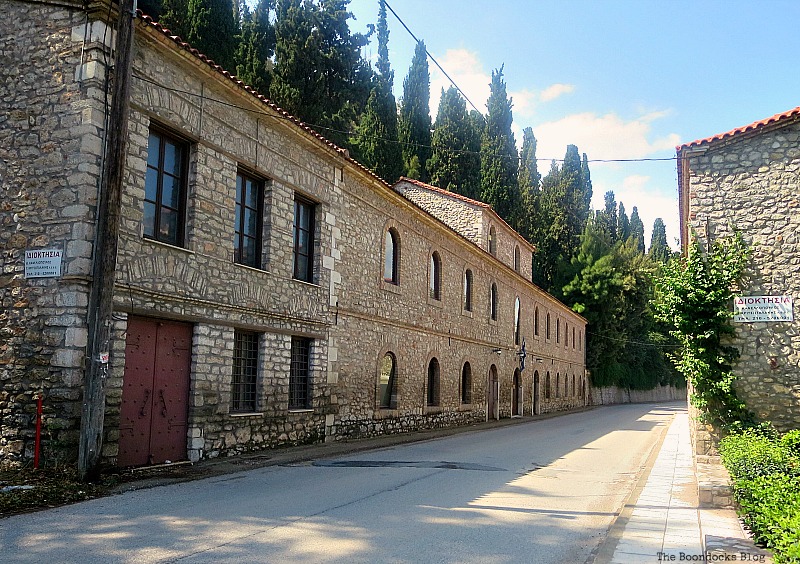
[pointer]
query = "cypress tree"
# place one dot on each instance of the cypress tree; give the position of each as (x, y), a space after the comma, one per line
(623, 224)
(637, 230)
(455, 160)
(213, 30)
(609, 216)
(529, 181)
(415, 118)
(499, 167)
(256, 46)
(659, 249)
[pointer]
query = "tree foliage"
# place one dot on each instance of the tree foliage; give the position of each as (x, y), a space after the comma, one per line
(415, 116)
(637, 230)
(499, 168)
(659, 249)
(693, 298)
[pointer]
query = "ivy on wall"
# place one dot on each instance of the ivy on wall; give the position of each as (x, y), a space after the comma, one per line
(694, 297)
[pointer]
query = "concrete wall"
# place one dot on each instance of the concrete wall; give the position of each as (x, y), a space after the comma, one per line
(751, 182)
(610, 395)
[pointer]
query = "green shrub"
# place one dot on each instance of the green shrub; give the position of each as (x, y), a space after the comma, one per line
(765, 469)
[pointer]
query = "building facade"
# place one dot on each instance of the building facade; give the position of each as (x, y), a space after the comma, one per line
(269, 289)
(748, 179)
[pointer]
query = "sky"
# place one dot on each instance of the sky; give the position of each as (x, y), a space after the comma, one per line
(621, 79)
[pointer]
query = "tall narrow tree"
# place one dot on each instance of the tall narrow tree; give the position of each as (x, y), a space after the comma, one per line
(499, 167)
(455, 161)
(213, 30)
(256, 46)
(376, 142)
(415, 116)
(637, 230)
(529, 182)
(608, 217)
(623, 224)
(659, 249)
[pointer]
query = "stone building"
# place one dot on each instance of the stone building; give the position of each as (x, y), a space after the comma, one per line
(269, 289)
(749, 179)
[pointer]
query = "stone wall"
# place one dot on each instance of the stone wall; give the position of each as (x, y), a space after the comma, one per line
(610, 395)
(751, 182)
(50, 140)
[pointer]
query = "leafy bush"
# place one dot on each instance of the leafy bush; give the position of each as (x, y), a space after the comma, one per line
(765, 469)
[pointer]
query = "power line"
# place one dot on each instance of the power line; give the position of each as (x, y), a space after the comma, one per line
(435, 62)
(632, 342)
(318, 127)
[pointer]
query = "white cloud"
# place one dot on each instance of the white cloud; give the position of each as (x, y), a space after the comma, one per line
(555, 91)
(602, 136)
(523, 102)
(466, 69)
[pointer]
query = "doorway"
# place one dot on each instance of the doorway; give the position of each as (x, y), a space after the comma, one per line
(493, 395)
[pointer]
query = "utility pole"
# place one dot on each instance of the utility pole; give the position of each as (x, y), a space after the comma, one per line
(105, 250)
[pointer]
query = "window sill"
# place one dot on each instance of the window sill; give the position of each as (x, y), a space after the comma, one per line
(467, 313)
(306, 283)
(167, 245)
(252, 268)
(246, 414)
(434, 302)
(390, 287)
(300, 410)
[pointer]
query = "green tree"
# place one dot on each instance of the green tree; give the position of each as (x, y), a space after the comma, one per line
(499, 167)
(319, 73)
(376, 142)
(256, 46)
(693, 297)
(608, 217)
(637, 230)
(213, 30)
(529, 186)
(455, 157)
(174, 16)
(415, 116)
(659, 249)
(623, 224)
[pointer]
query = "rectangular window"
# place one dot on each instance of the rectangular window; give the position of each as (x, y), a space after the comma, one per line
(245, 372)
(299, 374)
(249, 220)
(303, 240)
(165, 188)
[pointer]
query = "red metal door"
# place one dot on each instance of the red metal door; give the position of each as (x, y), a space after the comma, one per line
(153, 417)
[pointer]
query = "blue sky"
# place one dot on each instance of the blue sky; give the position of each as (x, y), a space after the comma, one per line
(621, 79)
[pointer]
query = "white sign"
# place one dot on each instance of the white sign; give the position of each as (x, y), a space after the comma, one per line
(752, 309)
(43, 263)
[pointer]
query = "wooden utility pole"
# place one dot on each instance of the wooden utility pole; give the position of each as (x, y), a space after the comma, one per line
(105, 250)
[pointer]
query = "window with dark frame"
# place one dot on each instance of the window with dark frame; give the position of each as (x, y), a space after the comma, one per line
(435, 282)
(493, 302)
(468, 290)
(547, 391)
(517, 329)
(466, 384)
(165, 188)
(303, 240)
(388, 382)
(492, 241)
(249, 220)
(391, 262)
(516, 259)
(547, 328)
(536, 321)
(299, 374)
(432, 391)
(245, 372)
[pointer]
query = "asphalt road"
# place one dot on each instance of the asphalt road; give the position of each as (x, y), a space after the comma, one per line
(539, 491)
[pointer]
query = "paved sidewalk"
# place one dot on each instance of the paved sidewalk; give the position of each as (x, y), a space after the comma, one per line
(663, 522)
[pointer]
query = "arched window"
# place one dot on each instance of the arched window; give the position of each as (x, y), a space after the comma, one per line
(432, 392)
(466, 384)
(573, 384)
(468, 290)
(388, 382)
(492, 241)
(547, 386)
(536, 321)
(493, 302)
(516, 258)
(516, 321)
(547, 328)
(558, 384)
(435, 282)
(391, 257)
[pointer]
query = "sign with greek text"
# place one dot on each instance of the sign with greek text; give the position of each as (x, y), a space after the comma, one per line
(43, 263)
(754, 309)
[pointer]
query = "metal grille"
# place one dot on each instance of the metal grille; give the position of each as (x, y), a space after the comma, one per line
(245, 372)
(299, 380)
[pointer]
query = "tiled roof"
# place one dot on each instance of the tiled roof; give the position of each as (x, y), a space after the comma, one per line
(751, 127)
(181, 44)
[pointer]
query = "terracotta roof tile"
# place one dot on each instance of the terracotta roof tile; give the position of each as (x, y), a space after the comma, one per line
(751, 127)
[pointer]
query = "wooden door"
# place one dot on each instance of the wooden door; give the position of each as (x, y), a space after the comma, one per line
(155, 392)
